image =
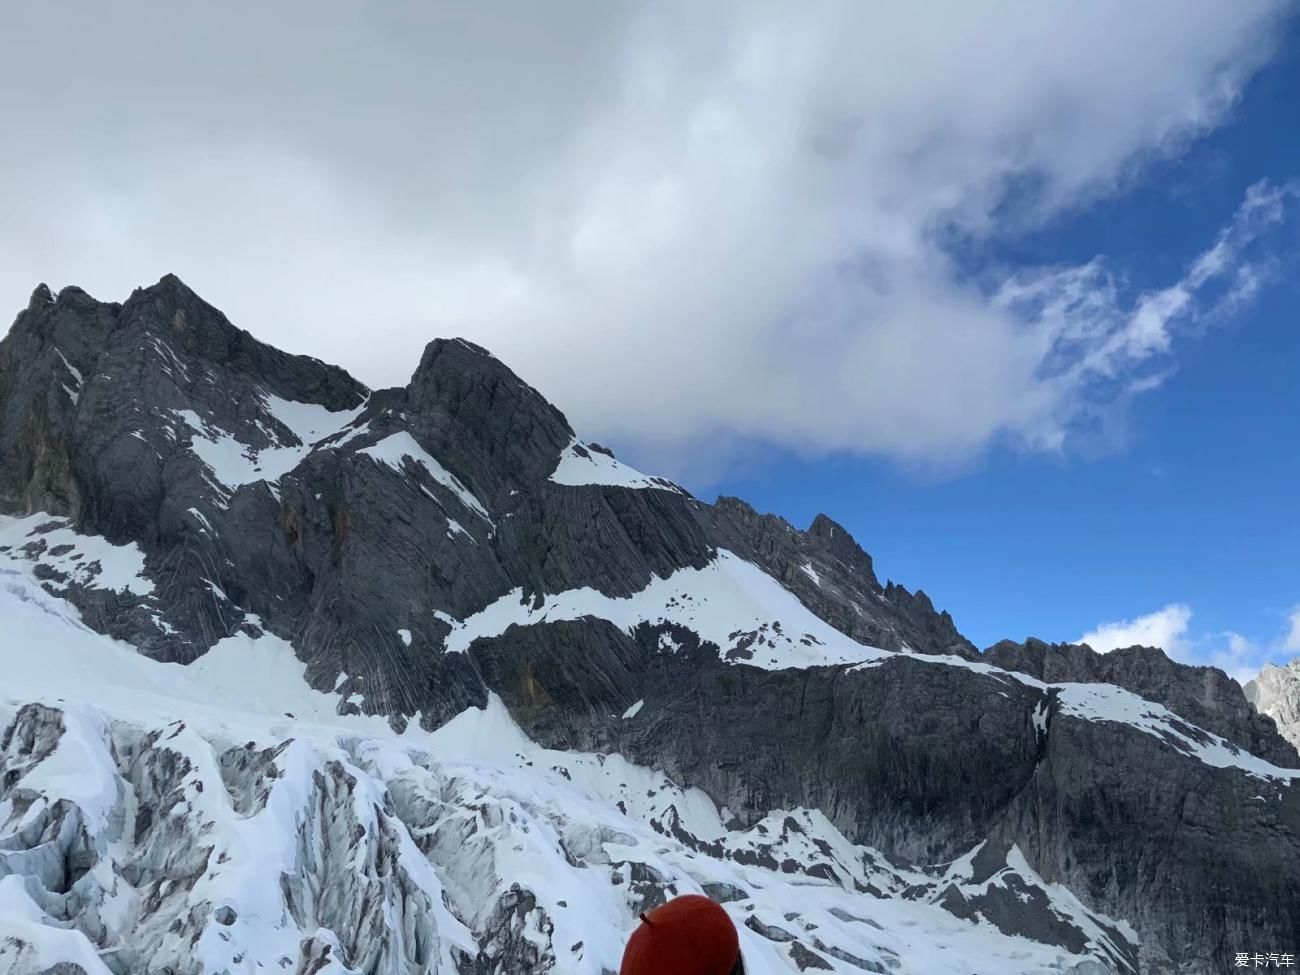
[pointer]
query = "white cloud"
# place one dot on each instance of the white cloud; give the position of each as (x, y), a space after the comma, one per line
(1166, 628)
(1241, 659)
(688, 224)
(1291, 642)
(1094, 343)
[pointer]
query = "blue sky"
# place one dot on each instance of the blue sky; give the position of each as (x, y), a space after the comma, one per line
(1193, 504)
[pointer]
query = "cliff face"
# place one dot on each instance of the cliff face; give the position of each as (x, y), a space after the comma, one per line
(1206, 696)
(1275, 693)
(453, 545)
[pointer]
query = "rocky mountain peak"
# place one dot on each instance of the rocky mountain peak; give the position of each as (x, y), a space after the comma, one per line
(1275, 692)
(41, 296)
(465, 401)
(840, 544)
(172, 316)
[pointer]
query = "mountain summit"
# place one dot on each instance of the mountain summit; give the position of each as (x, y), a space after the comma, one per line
(467, 693)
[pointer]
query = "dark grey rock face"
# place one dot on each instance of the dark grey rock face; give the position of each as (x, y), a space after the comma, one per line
(93, 397)
(78, 377)
(1206, 696)
(834, 577)
(1187, 853)
(1149, 837)
(155, 423)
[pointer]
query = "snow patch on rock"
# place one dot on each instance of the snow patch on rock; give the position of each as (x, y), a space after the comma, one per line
(85, 560)
(581, 465)
(309, 422)
(731, 603)
(76, 373)
(1105, 702)
(234, 463)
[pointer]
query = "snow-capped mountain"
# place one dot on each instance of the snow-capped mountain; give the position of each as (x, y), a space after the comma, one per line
(300, 676)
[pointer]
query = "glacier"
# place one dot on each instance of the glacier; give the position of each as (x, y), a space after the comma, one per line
(223, 817)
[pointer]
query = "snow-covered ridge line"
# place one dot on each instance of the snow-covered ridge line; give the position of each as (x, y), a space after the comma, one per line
(1105, 702)
(732, 603)
(580, 464)
(754, 620)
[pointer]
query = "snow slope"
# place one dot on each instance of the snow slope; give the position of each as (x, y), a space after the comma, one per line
(732, 603)
(1105, 702)
(580, 464)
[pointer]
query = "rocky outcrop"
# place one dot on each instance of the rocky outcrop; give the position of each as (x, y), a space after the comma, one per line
(831, 574)
(1275, 693)
(1206, 696)
(79, 378)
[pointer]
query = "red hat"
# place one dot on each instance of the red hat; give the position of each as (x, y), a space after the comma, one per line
(690, 935)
